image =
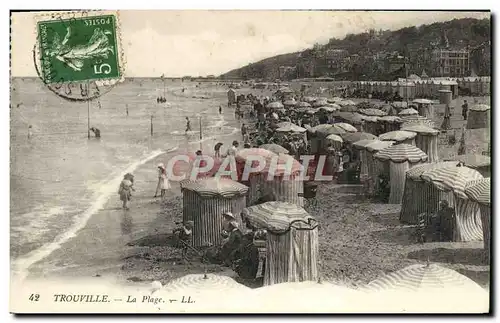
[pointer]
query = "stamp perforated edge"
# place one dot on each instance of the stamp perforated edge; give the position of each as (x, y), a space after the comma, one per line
(64, 15)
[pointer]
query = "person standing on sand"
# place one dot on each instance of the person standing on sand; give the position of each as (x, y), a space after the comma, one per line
(465, 109)
(233, 149)
(217, 149)
(220, 109)
(163, 183)
(188, 124)
(244, 132)
(125, 192)
(30, 131)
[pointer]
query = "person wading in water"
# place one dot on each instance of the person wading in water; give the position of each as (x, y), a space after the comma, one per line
(188, 124)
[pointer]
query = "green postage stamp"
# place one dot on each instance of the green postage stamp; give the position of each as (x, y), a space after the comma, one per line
(79, 47)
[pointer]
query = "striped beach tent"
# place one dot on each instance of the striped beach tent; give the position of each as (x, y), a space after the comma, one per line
(361, 146)
(275, 148)
(372, 125)
(426, 139)
(408, 112)
(420, 196)
(479, 116)
(390, 123)
(399, 136)
(401, 157)
(292, 241)
(468, 226)
(335, 140)
(352, 137)
(479, 191)
(204, 202)
(376, 167)
(481, 163)
(428, 277)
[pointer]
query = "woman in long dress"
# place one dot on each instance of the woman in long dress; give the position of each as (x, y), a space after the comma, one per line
(125, 191)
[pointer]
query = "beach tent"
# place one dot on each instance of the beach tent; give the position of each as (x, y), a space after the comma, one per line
(376, 167)
(481, 163)
(360, 145)
(467, 226)
(425, 107)
(345, 126)
(372, 125)
(420, 196)
(282, 176)
(426, 139)
(289, 103)
(292, 247)
(275, 148)
(479, 191)
(425, 278)
(247, 158)
(231, 96)
(479, 117)
(389, 123)
(399, 136)
(417, 120)
(204, 202)
(335, 140)
(401, 158)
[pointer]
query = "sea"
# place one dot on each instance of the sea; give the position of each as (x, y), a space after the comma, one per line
(59, 178)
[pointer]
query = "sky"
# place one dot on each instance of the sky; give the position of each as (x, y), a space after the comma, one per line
(200, 43)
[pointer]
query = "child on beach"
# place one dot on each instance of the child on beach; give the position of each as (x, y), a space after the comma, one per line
(125, 191)
(163, 183)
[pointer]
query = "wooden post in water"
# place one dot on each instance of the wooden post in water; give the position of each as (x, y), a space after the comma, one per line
(151, 125)
(88, 119)
(201, 136)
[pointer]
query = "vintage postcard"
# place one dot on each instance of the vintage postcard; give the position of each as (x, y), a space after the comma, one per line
(250, 161)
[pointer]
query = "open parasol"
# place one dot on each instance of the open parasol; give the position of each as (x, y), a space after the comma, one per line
(309, 99)
(303, 105)
(335, 138)
(408, 112)
(291, 128)
(480, 107)
(346, 103)
(479, 191)
(334, 100)
(398, 135)
(215, 186)
(416, 172)
(420, 129)
(352, 137)
(400, 105)
(416, 119)
(364, 143)
(290, 103)
(275, 105)
(328, 129)
(378, 145)
(275, 148)
(402, 153)
(347, 127)
(328, 108)
(452, 178)
(372, 112)
(391, 119)
(277, 217)
(422, 101)
(319, 103)
(424, 278)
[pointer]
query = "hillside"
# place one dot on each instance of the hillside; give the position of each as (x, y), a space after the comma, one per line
(376, 47)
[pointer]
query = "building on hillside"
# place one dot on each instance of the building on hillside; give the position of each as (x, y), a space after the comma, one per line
(448, 62)
(394, 63)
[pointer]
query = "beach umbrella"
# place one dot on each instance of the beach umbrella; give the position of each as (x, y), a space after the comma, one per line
(334, 100)
(349, 108)
(329, 130)
(372, 112)
(291, 128)
(309, 99)
(214, 186)
(335, 140)
(390, 123)
(303, 105)
(319, 103)
(479, 191)
(420, 196)
(481, 163)
(428, 277)
(289, 103)
(400, 105)
(408, 112)
(352, 137)
(275, 105)
(401, 157)
(346, 103)
(399, 136)
(291, 241)
(345, 126)
(480, 107)
(426, 139)
(378, 145)
(328, 109)
(285, 124)
(277, 149)
(312, 111)
(350, 117)
(467, 226)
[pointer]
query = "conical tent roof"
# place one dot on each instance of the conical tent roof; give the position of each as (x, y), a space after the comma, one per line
(290, 103)
(424, 278)
(372, 112)
(480, 107)
(346, 102)
(303, 105)
(391, 119)
(474, 161)
(411, 120)
(416, 172)
(378, 145)
(347, 127)
(421, 129)
(398, 135)
(451, 178)
(402, 153)
(278, 217)
(479, 191)
(291, 128)
(320, 103)
(275, 105)
(333, 137)
(351, 137)
(331, 130)
(215, 186)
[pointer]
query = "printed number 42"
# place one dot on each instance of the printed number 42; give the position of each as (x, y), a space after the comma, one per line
(103, 68)
(34, 297)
